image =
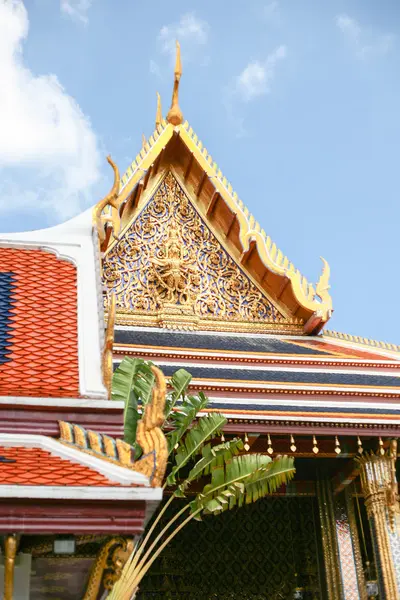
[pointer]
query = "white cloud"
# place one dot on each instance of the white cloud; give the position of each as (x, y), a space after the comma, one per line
(44, 133)
(190, 31)
(76, 9)
(271, 10)
(365, 42)
(255, 80)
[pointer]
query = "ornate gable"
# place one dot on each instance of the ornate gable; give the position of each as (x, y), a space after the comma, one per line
(288, 299)
(169, 269)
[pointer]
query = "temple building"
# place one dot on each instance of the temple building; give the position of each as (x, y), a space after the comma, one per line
(171, 267)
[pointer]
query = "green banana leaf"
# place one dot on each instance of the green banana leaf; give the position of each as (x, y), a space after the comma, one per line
(180, 382)
(132, 384)
(183, 418)
(191, 444)
(211, 456)
(244, 479)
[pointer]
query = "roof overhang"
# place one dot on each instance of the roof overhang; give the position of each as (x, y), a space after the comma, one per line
(178, 147)
(122, 508)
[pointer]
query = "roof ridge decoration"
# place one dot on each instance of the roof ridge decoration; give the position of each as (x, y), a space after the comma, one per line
(361, 340)
(107, 357)
(110, 201)
(149, 436)
(175, 115)
(315, 298)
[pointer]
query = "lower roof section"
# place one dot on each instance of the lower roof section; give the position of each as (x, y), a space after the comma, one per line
(83, 515)
(255, 345)
(47, 486)
(31, 460)
(278, 383)
(259, 375)
(213, 341)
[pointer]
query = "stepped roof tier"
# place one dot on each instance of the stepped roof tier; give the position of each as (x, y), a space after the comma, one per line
(41, 477)
(196, 283)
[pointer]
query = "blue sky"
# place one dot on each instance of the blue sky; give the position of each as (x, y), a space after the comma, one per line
(297, 101)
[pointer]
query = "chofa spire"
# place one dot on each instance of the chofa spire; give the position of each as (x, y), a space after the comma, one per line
(175, 116)
(159, 112)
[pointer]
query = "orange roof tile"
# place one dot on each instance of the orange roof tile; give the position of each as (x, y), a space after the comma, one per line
(40, 331)
(34, 466)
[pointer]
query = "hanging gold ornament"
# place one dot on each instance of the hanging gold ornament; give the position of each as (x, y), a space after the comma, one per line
(381, 448)
(222, 438)
(337, 445)
(270, 449)
(246, 443)
(360, 449)
(315, 445)
(293, 447)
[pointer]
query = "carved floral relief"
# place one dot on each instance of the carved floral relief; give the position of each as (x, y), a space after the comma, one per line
(170, 260)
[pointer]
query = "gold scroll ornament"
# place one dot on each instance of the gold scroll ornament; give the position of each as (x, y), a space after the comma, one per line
(108, 565)
(149, 436)
(100, 218)
(168, 261)
(107, 358)
(379, 486)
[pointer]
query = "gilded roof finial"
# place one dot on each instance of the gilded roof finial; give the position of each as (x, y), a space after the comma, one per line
(159, 112)
(144, 141)
(175, 116)
(110, 200)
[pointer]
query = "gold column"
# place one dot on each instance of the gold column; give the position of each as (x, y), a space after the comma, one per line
(10, 550)
(356, 545)
(379, 486)
(329, 540)
(353, 584)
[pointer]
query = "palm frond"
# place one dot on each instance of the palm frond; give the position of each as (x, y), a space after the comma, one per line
(213, 457)
(184, 416)
(180, 381)
(132, 384)
(191, 444)
(244, 479)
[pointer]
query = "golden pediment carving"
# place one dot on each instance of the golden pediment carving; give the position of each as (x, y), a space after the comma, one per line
(169, 269)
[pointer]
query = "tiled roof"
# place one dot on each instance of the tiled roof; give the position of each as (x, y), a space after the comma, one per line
(287, 376)
(38, 325)
(267, 345)
(34, 466)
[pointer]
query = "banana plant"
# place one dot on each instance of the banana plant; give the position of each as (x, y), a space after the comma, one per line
(230, 477)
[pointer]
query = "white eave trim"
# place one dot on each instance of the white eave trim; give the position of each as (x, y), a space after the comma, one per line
(61, 492)
(63, 402)
(121, 475)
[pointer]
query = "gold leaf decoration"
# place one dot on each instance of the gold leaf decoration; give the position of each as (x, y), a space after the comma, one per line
(170, 262)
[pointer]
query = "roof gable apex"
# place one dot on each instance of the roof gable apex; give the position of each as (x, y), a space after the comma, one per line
(179, 146)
